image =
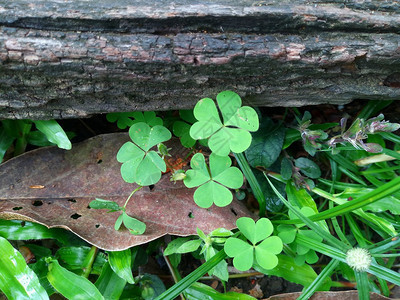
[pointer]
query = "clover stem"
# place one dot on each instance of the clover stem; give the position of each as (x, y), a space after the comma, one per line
(134, 191)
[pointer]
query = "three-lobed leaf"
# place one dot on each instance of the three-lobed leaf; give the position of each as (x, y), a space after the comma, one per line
(231, 134)
(263, 248)
(124, 119)
(139, 163)
(214, 182)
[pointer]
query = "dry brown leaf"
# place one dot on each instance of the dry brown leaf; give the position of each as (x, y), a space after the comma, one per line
(347, 295)
(69, 180)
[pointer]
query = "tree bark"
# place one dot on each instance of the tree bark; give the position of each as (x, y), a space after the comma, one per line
(64, 59)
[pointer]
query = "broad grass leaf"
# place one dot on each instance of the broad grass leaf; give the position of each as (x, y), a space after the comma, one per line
(71, 285)
(75, 258)
(17, 280)
(54, 133)
(72, 179)
(120, 263)
(109, 284)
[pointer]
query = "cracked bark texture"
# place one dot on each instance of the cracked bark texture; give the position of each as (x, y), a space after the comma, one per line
(64, 59)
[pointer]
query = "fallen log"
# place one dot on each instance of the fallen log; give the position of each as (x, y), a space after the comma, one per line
(65, 59)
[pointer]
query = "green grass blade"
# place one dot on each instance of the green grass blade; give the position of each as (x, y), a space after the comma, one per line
(362, 285)
(248, 173)
(322, 277)
(17, 280)
(372, 108)
(384, 273)
(317, 229)
(385, 190)
(180, 286)
(321, 248)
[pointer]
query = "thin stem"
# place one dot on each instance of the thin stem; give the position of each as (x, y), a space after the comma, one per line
(134, 191)
(91, 257)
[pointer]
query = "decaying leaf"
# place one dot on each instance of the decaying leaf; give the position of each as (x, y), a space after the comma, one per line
(347, 295)
(71, 179)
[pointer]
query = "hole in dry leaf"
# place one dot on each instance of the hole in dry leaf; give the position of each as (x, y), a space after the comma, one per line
(151, 187)
(17, 208)
(72, 200)
(99, 161)
(37, 203)
(97, 225)
(233, 211)
(190, 215)
(88, 207)
(76, 216)
(23, 224)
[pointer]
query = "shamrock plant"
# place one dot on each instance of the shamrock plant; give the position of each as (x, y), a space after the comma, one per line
(126, 119)
(134, 226)
(262, 248)
(213, 182)
(139, 163)
(209, 244)
(230, 134)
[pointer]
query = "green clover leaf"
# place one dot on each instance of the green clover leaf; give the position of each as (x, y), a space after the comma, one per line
(213, 183)
(139, 163)
(230, 135)
(124, 119)
(263, 247)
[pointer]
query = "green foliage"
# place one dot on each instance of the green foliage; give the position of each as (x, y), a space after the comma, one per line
(231, 134)
(181, 128)
(127, 119)
(71, 285)
(134, 226)
(266, 144)
(120, 263)
(308, 167)
(261, 249)
(139, 163)
(213, 182)
(17, 280)
(20, 133)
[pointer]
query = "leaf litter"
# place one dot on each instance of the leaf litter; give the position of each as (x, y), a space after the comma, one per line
(70, 180)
